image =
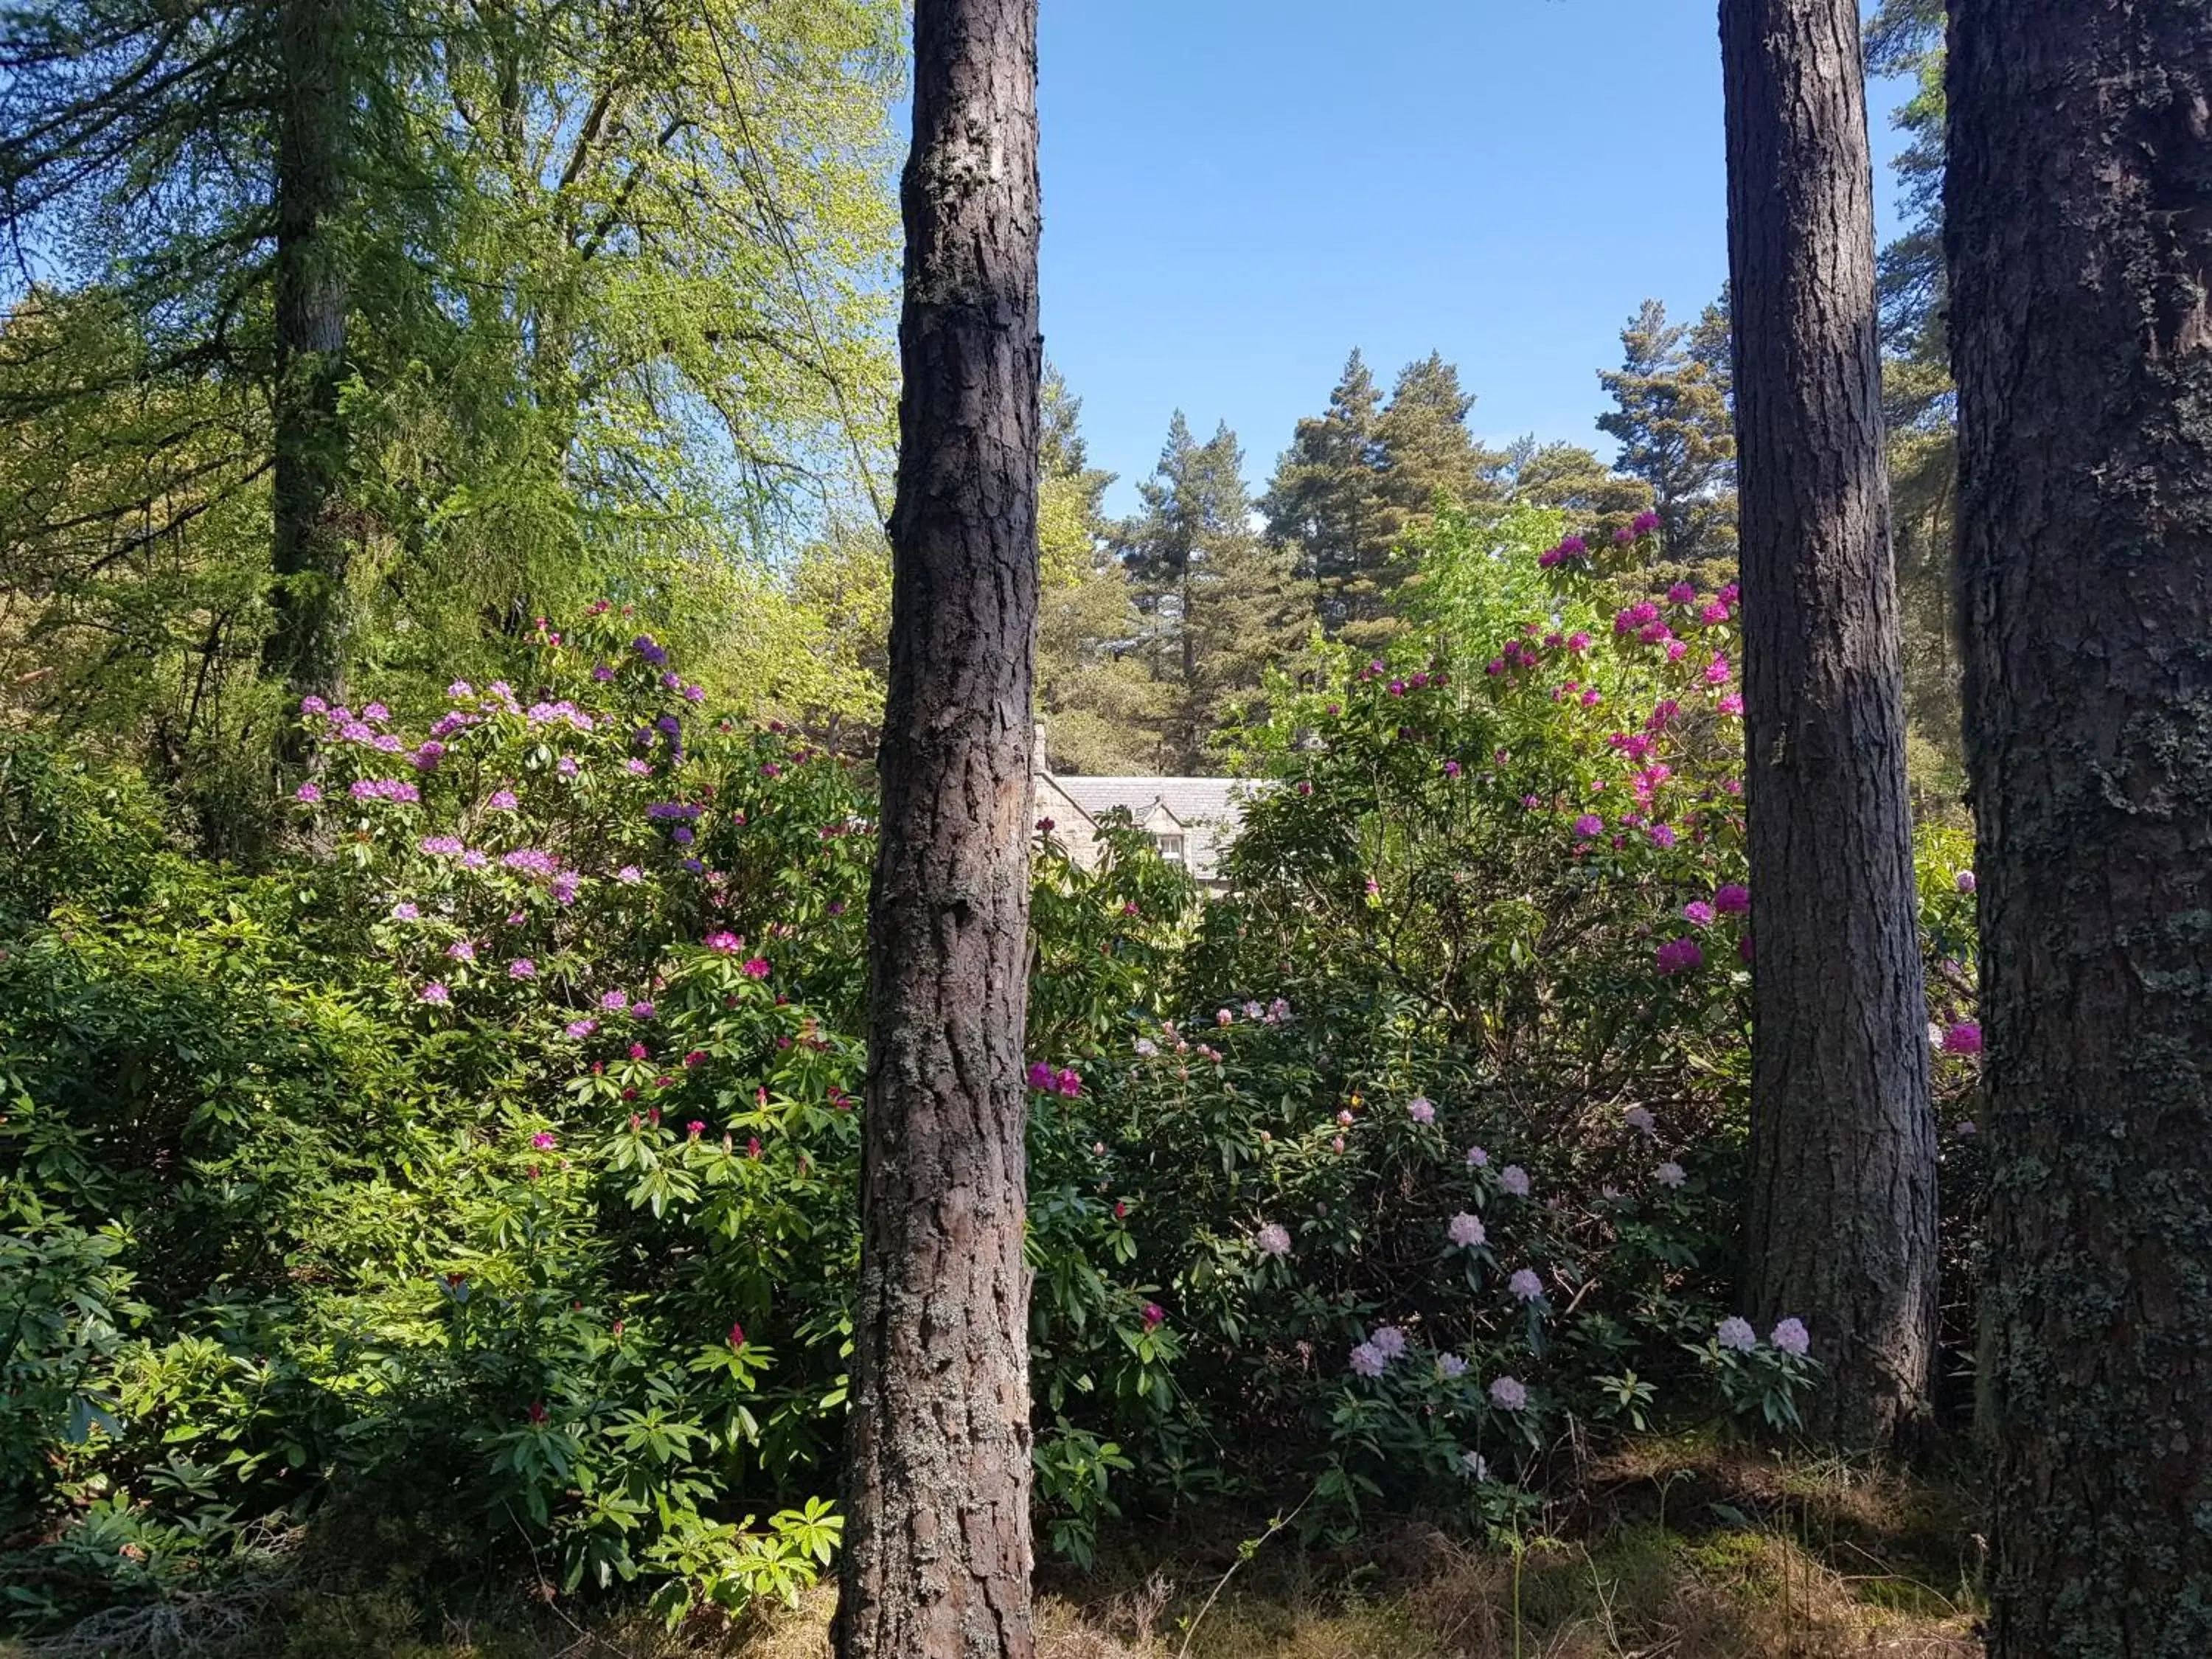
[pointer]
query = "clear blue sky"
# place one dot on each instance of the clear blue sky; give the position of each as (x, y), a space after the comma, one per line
(1238, 191)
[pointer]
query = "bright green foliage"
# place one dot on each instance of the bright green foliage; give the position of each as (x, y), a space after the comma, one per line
(484, 1182)
(1676, 431)
(620, 284)
(1216, 602)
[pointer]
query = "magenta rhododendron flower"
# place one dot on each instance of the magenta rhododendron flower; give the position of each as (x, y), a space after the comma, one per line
(756, 967)
(435, 993)
(308, 794)
(1589, 826)
(724, 942)
(1041, 1075)
(581, 1028)
(543, 1141)
(1153, 1314)
(1963, 1038)
(1698, 913)
(1964, 881)
(1732, 899)
(522, 968)
(1679, 956)
(502, 801)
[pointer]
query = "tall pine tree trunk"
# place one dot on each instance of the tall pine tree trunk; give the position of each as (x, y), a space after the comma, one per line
(1842, 1217)
(936, 1558)
(306, 647)
(2079, 235)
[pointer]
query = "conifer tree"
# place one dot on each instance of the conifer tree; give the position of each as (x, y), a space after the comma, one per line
(937, 1554)
(2078, 247)
(1218, 602)
(1672, 420)
(1841, 1227)
(1597, 500)
(1100, 707)
(1325, 505)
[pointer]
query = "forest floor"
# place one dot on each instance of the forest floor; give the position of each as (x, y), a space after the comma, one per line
(1670, 1549)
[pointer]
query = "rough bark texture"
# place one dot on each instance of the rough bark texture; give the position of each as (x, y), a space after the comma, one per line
(2079, 228)
(1842, 1215)
(937, 1558)
(306, 647)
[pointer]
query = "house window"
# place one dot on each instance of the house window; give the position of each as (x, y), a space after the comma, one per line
(1170, 847)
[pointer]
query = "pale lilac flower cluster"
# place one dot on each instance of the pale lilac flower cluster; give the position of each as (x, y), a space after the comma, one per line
(1273, 1239)
(1465, 1230)
(1508, 1394)
(1735, 1333)
(1525, 1285)
(1515, 1180)
(1791, 1337)
(391, 789)
(1421, 1110)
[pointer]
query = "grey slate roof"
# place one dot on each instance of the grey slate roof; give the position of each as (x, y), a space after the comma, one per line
(1211, 809)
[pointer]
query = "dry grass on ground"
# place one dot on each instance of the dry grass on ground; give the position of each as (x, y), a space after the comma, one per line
(1671, 1550)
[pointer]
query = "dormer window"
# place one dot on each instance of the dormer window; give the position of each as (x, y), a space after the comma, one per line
(1170, 847)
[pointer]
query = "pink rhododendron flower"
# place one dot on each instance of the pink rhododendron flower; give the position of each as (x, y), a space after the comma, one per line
(1679, 956)
(756, 967)
(1420, 1109)
(1697, 913)
(1733, 899)
(543, 1141)
(435, 993)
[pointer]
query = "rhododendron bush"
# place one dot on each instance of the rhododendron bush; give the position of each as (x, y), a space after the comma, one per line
(488, 1166)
